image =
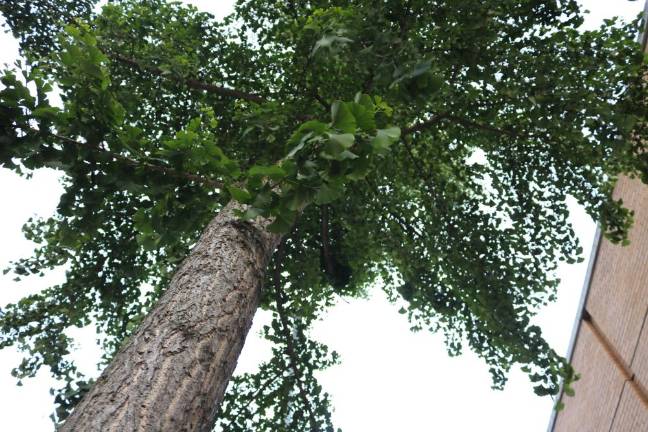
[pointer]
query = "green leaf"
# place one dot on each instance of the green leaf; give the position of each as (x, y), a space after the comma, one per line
(148, 241)
(336, 145)
(47, 112)
(263, 200)
(240, 195)
(366, 101)
(275, 172)
(298, 198)
(299, 146)
(308, 170)
(313, 126)
(309, 129)
(417, 70)
(384, 139)
(279, 226)
(342, 118)
(306, 131)
(289, 166)
(283, 222)
(327, 193)
(332, 150)
(327, 41)
(142, 221)
(346, 154)
(365, 117)
(360, 170)
(251, 213)
(345, 140)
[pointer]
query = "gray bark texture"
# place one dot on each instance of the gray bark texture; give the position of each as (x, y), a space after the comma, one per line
(173, 371)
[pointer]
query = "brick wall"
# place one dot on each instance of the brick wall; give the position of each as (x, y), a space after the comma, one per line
(611, 348)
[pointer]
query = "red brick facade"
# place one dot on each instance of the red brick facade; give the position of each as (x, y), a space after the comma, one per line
(611, 345)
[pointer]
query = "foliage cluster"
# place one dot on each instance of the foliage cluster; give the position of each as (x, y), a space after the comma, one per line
(427, 145)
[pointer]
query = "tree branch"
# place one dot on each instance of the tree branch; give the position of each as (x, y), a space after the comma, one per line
(456, 119)
(423, 125)
(189, 82)
(262, 387)
(321, 100)
(140, 164)
(290, 347)
(400, 221)
(328, 262)
(469, 123)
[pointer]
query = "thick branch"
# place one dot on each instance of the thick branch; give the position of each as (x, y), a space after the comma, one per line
(189, 82)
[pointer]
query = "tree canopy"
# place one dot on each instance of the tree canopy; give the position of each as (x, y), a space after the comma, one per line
(428, 146)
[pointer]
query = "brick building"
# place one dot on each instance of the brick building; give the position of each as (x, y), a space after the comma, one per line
(609, 345)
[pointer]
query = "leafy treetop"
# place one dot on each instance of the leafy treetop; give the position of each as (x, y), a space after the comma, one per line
(427, 145)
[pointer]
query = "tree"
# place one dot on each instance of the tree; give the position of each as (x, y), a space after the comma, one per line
(427, 145)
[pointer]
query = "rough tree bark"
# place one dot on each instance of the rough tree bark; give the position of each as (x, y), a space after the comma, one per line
(172, 373)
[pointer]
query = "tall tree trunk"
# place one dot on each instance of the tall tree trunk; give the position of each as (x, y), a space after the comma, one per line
(173, 371)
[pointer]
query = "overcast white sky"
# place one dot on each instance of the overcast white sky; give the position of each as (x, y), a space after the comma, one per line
(390, 379)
